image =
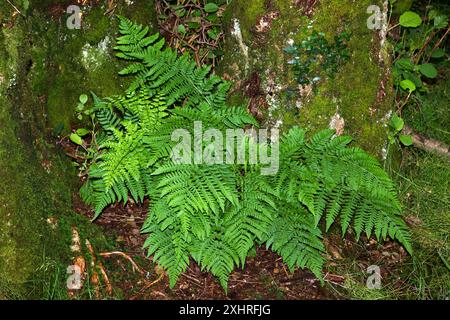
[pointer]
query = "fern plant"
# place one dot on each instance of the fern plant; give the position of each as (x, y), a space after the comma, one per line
(215, 214)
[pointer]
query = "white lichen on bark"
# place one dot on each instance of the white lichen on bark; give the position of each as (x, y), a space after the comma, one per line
(237, 34)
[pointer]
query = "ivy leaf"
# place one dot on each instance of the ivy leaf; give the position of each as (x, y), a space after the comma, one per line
(75, 138)
(406, 140)
(83, 99)
(428, 70)
(410, 20)
(397, 123)
(408, 85)
(82, 132)
(211, 7)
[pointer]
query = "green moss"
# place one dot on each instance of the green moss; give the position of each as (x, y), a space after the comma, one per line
(251, 11)
(95, 25)
(42, 73)
(35, 182)
(67, 63)
(354, 90)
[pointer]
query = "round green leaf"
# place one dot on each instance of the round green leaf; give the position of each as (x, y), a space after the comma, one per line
(182, 29)
(83, 99)
(428, 70)
(211, 7)
(408, 85)
(397, 123)
(410, 20)
(406, 140)
(75, 138)
(82, 132)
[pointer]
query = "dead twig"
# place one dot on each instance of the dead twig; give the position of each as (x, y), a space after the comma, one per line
(15, 8)
(105, 278)
(439, 43)
(119, 253)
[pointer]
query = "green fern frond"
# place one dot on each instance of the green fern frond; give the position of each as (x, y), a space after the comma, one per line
(176, 77)
(218, 213)
(250, 220)
(296, 238)
(216, 256)
(169, 249)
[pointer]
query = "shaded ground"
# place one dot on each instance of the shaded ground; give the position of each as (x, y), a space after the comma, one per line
(264, 276)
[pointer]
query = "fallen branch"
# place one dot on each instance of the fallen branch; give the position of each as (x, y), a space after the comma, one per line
(95, 280)
(153, 283)
(427, 144)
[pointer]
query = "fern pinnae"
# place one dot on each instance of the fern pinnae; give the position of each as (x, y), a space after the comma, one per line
(217, 213)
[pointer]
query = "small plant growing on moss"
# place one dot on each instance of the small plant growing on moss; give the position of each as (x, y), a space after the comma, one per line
(216, 214)
(316, 56)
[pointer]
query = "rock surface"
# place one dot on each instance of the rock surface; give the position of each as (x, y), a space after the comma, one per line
(359, 96)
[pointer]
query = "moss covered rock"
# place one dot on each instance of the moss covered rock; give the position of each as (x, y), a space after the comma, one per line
(44, 67)
(356, 101)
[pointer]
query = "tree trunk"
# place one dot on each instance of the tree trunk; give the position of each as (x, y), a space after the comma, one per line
(357, 101)
(44, 67)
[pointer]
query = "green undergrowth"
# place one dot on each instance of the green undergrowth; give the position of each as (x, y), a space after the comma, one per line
(424, 184)
(428, 113)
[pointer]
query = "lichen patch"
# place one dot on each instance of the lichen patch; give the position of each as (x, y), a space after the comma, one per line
(337, 123)
(265, 22)
(237, 34)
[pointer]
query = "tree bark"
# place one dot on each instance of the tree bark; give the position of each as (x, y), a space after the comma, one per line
(357, 101)
(44, 67)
